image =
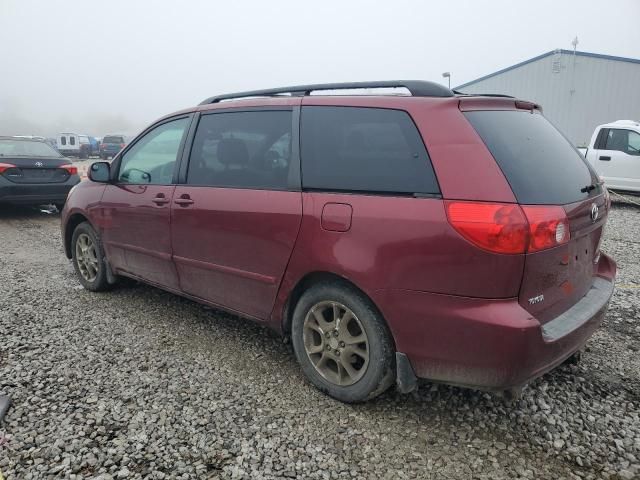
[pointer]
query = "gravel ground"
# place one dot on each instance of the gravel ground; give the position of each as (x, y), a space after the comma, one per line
(138, 383)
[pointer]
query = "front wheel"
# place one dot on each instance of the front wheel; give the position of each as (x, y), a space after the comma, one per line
(342, 343)
(88, 258)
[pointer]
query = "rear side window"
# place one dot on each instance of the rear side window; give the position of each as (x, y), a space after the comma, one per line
(539, 163)
(364, 150)
(242, 150)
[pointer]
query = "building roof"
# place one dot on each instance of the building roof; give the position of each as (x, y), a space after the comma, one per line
(540, 57)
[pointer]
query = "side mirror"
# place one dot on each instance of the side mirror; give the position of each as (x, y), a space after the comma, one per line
(100, 172)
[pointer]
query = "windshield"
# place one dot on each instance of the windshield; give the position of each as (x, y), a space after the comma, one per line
(26, 148)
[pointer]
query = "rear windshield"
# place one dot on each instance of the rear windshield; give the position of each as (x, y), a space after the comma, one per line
(25, 148)
(539, 163)
(113, 140)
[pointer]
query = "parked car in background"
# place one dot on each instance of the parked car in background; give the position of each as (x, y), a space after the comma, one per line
(392, 237)
(33, 173)
(111, 145)
(74, 145)
(94, 147)
(614, 152)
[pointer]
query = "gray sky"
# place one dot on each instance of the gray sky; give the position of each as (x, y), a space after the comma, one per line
(100, 67)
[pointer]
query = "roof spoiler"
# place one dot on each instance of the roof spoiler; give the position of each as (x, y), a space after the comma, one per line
(471, 102)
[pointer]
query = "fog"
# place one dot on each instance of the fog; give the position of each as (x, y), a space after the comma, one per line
(106, 67)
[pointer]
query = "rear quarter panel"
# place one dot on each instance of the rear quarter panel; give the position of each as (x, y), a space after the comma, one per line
(396, 243)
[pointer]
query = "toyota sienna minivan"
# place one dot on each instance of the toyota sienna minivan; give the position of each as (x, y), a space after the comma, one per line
(417, 233)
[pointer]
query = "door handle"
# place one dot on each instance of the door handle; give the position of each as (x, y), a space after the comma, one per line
(160, 200)
(606, 159)
(183, 201)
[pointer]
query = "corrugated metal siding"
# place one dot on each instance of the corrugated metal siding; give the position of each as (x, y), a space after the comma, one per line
(603, 91)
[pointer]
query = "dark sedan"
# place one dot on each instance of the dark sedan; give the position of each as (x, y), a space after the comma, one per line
(33, 173)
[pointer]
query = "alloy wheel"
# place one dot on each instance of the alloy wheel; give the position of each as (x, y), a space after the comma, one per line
(86, 257)
(336, 343)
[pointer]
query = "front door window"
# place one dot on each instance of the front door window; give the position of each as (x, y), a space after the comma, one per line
(152, 159)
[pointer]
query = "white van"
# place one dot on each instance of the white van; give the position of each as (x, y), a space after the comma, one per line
(614, 152)
(73, 145)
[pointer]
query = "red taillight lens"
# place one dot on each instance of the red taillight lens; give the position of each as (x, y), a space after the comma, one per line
(71, 169)
(122, 145)
(509, 228)
(548, 226)
(5, 166)
(497, 227)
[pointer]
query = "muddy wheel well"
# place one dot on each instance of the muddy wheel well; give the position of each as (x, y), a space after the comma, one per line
(307, 282)
(75, 220)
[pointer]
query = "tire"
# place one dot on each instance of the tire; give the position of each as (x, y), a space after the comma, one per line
(98, 281)
(318, 305)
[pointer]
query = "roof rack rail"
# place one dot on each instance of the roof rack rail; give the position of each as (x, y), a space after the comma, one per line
(417, 88)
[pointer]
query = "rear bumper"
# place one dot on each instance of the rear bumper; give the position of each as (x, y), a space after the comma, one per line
(490, 344)
(35, 193)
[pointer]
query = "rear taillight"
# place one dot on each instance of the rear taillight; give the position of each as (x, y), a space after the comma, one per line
(71, 169)
(509, 228)
(122, 145)
(548, 226)
(497, 227)
(5, 166)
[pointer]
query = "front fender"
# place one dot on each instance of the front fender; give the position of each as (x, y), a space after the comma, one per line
(83, 204)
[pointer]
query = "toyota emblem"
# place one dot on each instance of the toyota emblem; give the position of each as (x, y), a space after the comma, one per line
(39, 164)
(594, 212)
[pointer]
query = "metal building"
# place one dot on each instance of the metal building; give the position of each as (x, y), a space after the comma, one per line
(577, 90)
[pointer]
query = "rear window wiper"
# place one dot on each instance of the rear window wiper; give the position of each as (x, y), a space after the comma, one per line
(588, 188)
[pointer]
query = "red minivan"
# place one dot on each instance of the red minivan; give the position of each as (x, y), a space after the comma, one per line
(417, 234)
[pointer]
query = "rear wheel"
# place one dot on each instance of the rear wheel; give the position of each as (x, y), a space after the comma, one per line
(88, 258)
(342, 343)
